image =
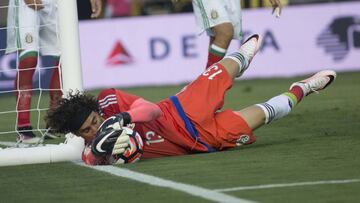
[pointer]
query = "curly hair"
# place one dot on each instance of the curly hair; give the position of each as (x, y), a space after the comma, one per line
(59, 119)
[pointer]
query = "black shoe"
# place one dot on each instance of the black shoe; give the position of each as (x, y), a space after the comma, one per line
(26, 135)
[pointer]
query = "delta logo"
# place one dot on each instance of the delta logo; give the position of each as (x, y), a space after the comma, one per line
(119, 55)
(340, 37)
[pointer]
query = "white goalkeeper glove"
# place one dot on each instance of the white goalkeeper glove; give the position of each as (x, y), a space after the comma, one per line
(122, 143)
(126, 144)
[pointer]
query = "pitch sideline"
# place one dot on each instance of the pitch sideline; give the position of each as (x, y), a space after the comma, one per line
(269, 186)
(156, 181)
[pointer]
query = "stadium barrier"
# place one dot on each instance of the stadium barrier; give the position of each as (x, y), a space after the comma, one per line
(161, 50)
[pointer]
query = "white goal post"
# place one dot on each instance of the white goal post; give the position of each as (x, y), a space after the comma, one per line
(71, 80)
(70, 45)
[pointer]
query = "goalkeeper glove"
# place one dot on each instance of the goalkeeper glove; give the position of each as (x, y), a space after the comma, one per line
(128, 143)
(104, 141)
(116, 122)
(121, 144)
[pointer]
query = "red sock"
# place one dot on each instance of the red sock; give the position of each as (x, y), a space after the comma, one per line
(216, 53)
(55, 92)
(212, 58)
(23, 81)
(298, 92)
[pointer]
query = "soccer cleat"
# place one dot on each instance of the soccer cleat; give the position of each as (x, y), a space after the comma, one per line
(50, 133)
(317, 82)
(26, 136)
(247, 52)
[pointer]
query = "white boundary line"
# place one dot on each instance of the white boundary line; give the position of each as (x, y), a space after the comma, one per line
(156, 181)
(255, 187)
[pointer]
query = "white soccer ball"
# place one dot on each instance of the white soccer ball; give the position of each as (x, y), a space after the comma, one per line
(135, 149)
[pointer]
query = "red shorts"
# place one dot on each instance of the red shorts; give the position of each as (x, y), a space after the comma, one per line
(202, 101)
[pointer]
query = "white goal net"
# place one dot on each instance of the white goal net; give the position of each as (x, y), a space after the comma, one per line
(31, 33)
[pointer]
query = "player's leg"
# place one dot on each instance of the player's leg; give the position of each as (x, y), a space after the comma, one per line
(218, 19)
(228, 26)
(55, 94)
(202, 99)
(49, 45)
(219, 43)
(55, 88)
(23, 84)
(281, 105)
(211, 86)
(28, 58)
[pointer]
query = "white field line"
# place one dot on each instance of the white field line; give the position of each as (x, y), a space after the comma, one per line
(156, 181)
(256, 187)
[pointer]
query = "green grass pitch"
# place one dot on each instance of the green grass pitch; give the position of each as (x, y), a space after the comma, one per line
(318, 141)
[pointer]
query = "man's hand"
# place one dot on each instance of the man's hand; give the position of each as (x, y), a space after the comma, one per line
(35, 4)
(128, 147)
(96, 8)
(277, 7)
(121, 144)
(115, 122)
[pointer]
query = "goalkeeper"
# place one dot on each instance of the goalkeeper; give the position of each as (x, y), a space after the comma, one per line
(192, 121)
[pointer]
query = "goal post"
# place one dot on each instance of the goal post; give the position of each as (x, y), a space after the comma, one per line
(71, 76)
(70, 46)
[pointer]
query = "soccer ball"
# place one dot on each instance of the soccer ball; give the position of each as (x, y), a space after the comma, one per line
(133, 151)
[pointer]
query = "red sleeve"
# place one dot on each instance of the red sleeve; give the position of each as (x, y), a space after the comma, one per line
(112, 101)
(143, 111)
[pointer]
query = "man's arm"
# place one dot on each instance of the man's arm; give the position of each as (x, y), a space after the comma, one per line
(111, 131)
(139, 111)
(143, 111)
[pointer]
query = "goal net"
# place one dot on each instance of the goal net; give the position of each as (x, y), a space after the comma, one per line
(36, 31)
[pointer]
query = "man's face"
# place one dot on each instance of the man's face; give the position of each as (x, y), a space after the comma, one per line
(90, 126)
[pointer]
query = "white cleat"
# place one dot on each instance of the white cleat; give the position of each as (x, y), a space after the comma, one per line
(28, 140)
(247, 51)
(317, 82)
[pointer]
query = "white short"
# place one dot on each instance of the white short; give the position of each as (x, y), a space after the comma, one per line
(31, 30)
(210, 13)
